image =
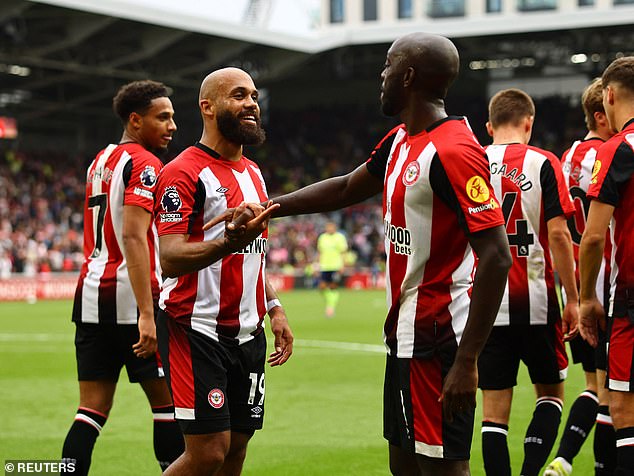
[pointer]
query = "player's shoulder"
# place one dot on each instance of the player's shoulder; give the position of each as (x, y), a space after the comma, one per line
(185, 163)
(453, 138)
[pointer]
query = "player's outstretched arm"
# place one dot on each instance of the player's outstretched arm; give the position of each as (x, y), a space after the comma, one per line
(136, 222)
(590, 256)
(560, 243)
(330, 194)
(494, 260)
(179, 256)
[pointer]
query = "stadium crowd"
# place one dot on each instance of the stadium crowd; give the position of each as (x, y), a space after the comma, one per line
(42, 193)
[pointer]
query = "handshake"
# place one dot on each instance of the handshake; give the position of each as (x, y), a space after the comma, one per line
(244, 223)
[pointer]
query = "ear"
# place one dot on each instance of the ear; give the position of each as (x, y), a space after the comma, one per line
(600, 119)
(609, 95)
(528, 124)
(489, 129)
(408, 78)
(135, 120)
(207, 108)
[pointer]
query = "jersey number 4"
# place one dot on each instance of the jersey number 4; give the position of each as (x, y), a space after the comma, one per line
(521, 239)
(100, 202)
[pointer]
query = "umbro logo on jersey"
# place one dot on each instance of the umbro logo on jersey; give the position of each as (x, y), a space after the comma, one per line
(222, 190)
(148, 176)
(257, 412)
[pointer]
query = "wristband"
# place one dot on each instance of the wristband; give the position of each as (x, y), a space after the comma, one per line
(272, 303)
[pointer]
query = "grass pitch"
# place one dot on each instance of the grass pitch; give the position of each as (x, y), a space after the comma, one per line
(323, 407)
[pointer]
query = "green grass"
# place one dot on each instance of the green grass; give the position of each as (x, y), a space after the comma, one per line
(323, 408)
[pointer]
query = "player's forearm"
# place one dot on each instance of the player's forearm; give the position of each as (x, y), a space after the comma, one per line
(178, 259)
(563, 257)
(590, 257)
(330, 194)
(138, 262)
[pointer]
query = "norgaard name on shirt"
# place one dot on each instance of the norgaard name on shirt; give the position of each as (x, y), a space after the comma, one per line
(257, 246)
(513, 175)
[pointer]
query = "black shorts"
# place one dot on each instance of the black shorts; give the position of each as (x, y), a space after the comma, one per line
(216, 386)
(412, 416)
(102, 349)
(333, 277)
(540, 347)
(590, 358)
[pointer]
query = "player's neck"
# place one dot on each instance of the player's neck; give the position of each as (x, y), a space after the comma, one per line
(227, 150)
(128, 137)
(510, 135)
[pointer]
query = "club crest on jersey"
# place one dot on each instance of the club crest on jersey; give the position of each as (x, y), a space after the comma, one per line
(171, 200)
(148, 176)
(411, 174)
(595, 171)
(477, 189)
(216, 398)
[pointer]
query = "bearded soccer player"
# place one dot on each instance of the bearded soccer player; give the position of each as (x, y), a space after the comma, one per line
(536, 204)
(119, 281)
(214, 300)
(612, 193)
(435, 182)
(592, 403)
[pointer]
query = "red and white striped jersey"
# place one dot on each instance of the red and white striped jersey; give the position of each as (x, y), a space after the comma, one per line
(436, 191)
(612, 183)
(123, 174)
(226, 299)
(577, 163)
(530, 183)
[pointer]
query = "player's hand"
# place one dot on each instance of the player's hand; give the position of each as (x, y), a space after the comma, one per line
(590, 313)
(570, 321)
(146, 347)
(283, 337)
(226, 216)
(459, 388)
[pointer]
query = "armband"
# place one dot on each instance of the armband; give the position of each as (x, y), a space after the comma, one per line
(272, 303)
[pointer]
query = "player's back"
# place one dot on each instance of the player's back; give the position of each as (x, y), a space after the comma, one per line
(529, 185)
(120, 175)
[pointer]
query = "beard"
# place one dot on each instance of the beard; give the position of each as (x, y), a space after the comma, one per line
(237, 132)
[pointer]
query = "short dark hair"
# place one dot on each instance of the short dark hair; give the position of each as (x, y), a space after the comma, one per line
(620, 71)
(509, 106)
(592, 101)
(137, 97)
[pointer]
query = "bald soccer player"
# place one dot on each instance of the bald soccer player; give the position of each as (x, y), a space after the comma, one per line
(213, 301)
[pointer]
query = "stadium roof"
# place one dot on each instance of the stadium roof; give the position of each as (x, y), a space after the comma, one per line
(59, 66)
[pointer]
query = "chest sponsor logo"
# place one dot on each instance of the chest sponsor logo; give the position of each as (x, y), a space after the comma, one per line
(148, 176)
(411, 174)
(477, 189)
(595, 171)
(400, 238)
(256, 247)
(216, 398)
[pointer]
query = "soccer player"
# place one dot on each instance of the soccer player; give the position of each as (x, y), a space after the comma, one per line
(612, 193)
(536, 204)
(438, 208)
(332, 246)
(592, 403)
(119, 280)
(214, 300)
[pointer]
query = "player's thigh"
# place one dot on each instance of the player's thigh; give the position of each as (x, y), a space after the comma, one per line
(499, 360)
(139, 369)
(543, 352)
(97, 395)
(246, 385)
(157, 392)
(413, 418)
(97, 353)
(196, 370)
